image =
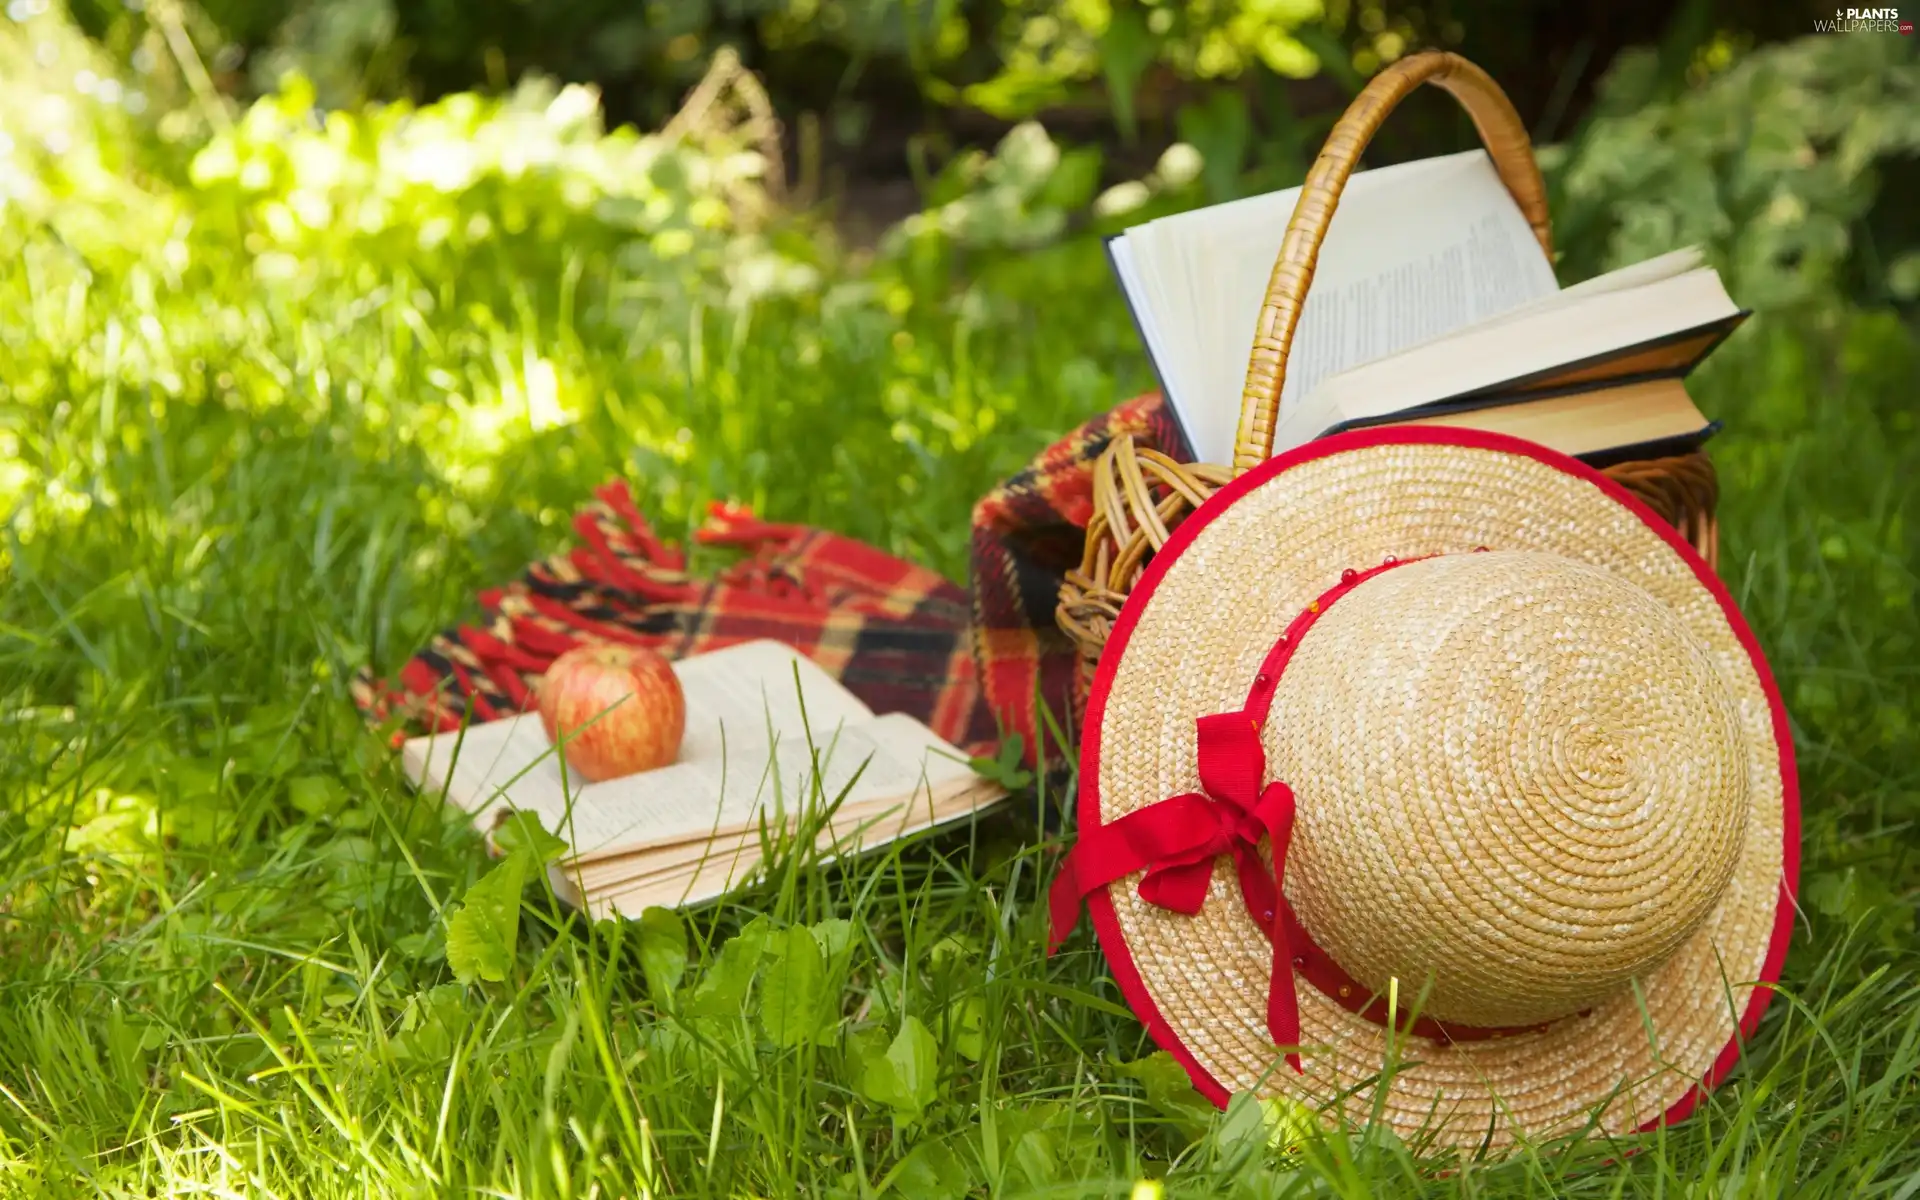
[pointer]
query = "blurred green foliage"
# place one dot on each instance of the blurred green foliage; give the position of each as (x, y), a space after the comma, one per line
(455, 223)
(1779, 164)
(1007, 57)
(1246, 79)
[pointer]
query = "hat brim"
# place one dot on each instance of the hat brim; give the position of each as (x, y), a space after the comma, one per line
(1199, 982)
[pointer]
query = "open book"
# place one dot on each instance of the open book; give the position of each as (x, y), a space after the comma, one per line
(754, 769)
(1431, 302)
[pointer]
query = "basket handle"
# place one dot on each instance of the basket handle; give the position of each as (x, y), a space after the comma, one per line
(1507, 143)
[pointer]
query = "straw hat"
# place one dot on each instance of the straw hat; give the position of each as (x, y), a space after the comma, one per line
(1517, 762)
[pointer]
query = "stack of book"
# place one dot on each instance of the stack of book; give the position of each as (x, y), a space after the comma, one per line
(1431, 304)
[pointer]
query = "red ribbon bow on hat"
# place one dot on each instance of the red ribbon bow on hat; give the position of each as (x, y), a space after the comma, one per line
(1177, 840)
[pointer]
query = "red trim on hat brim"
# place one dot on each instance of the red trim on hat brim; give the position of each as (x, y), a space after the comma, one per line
(1100, 904)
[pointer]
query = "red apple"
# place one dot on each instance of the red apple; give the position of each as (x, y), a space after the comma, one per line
(620, 708)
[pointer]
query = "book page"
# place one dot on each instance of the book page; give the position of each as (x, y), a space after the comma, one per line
(1640, 274)
(887, 758)
(869, 824)
(1163, 287)
(474, 765)
(745, 689)
(733, 697)
(1652, 270)
(1163, 354)
(679, 876)
(1414, 250)
(1401, 264)
(848, 815)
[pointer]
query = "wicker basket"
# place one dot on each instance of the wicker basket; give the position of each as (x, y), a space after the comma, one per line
(1139, 495)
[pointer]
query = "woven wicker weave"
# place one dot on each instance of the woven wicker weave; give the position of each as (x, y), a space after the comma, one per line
(1140, 495)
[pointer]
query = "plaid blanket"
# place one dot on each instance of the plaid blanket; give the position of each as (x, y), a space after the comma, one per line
(893, 633)
(1027, 533)
(899, 636)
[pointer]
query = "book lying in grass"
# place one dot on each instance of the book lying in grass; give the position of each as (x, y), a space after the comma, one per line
(1431, 303)
(776, 754)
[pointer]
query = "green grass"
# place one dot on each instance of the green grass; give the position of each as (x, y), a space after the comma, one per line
(222, 962)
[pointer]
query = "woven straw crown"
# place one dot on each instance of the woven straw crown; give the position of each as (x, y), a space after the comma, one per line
(1518, 777)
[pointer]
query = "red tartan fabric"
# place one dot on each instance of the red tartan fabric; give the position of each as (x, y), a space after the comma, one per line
(1027, 533)
(899, 636)
(893, 633)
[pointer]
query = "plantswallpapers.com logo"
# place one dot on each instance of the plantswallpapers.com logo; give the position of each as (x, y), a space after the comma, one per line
(1864, 20)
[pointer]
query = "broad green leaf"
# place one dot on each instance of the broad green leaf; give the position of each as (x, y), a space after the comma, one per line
(792, 988)
(1042, 1143)
(969, 1024)
(428, 945)
(130, 1041)
(1220, 128)
(930, 1171)
(1007, 767)
(835, 935)
(1289, 1124)
(1015, 94)
(916, 1062)
(862, 1045)
(1036, 1157)
(1241, 1131)
(722, 990)
(316, 795)
(663, 950)
(431, 1024)
(879, 1082)
(905, 1078)
(1170, 1090)
(482, 932)
(521, 832)
(952, 950)
(1831, 893)
(1073, 183)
